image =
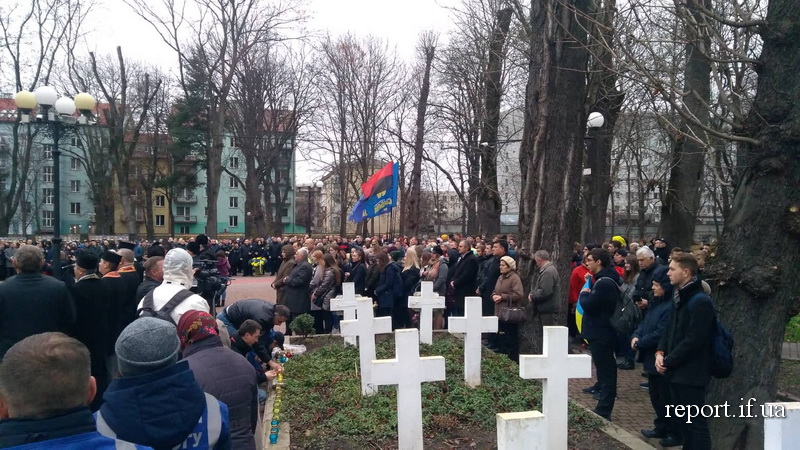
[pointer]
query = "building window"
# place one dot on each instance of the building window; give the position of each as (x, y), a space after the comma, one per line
(161, 201)
(47, 219)
(47, 196)
(184, 229)
(233, 163)
(47, 174)
(75, 185)
(76, 141)
(47, 151)
(284, 212)
(234, 202)
(234, 183)
(283, 174)
(74, 163)
(74, 229)
(74, 208)
(233, 221)
(234, 142)
(205, 212)
(160, 220)
(184, 211)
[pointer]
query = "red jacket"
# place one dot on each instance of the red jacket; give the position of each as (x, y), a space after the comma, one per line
(576, 281)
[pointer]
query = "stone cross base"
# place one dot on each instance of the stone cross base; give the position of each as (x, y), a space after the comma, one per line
(521, 431)
(781, 425)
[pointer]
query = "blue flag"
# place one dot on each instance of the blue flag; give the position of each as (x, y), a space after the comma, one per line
(379, 202)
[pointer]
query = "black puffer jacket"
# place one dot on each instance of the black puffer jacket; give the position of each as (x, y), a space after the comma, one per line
(687, 341)
(227, 376)
(599, 305)
(655, 322)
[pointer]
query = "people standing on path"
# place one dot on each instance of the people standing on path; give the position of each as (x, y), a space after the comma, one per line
(507, 292)
(463, 276)
(297, 291)
(287, 264)
(544, 296)
(598, 307)
(684, 351)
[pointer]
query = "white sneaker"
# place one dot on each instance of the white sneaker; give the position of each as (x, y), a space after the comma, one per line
(335, 331)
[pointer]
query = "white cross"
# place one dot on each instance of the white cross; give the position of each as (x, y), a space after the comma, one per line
(555, 366)
(425, 303)
(472, 325)
(408, 371)
(365, 326)
(347, 303)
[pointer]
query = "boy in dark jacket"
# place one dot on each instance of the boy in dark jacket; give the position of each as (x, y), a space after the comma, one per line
(598, 308)
(684, 351)
(645, 340)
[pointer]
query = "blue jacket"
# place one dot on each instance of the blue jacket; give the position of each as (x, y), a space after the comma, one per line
(390, 286)
(74, 430)
(599, 306)
(655, 322)
(163, 410)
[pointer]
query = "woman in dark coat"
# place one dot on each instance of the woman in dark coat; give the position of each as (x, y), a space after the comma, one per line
(410, 276)
(390, 285)
(356, 271)
(287, 255)
(222, 373)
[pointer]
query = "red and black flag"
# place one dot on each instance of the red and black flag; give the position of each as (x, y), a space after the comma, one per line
(379, 182)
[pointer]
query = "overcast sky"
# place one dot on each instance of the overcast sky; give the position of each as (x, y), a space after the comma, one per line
(399, 21)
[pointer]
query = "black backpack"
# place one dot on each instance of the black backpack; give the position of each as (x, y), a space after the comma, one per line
(148, 307)
(626, 315)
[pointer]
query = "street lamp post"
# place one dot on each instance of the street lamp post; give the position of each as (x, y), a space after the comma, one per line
(58, 114)
(439, 212)
(593, 123)
(311, 189)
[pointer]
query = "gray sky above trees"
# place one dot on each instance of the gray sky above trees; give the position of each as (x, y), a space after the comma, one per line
(114, 24)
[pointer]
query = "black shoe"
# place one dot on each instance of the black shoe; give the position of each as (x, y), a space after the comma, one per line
(654, 434)
(604, 416)
(591, 389)
(596, 395)
(627, 365)
(645, 386)
(671, 441)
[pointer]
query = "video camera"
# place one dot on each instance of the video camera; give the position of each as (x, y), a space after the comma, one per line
(208, 283)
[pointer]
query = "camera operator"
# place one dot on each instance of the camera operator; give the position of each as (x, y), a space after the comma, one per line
(178, 275)
(207, 280)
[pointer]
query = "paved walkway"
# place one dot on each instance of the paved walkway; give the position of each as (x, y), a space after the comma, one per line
(791, 350)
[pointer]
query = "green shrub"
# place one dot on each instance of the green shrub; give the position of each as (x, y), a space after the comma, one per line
(793, 330)
(302, 325)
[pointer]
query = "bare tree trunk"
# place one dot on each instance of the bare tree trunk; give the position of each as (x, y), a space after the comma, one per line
(756, 296)
(682, 199)
(489, 198)
(428, 48)
(552, 143)
(604, 97)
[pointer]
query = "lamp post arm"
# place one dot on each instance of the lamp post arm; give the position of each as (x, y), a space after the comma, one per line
(56, 130)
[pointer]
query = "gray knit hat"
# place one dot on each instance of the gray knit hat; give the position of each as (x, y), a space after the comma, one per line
(147, 345)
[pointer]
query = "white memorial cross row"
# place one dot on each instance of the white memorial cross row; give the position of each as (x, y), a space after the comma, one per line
(365, 327)
(555, 367)
(408, 371)
(347, 303)
(426, 303)
(472, 325)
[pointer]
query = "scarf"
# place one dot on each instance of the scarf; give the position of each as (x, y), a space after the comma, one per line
(195, 326)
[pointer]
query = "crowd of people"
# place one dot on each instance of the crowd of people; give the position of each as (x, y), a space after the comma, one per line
(125, 318)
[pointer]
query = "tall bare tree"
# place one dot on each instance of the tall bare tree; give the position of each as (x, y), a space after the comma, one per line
(35, 34)
(215, 36)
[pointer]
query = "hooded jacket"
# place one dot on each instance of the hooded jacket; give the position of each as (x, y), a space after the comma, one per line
(655, 322)
(178, 275)
(283, 271)
(164, 409)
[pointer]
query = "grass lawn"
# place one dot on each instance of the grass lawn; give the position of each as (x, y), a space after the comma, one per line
(793, 330)
(325, 409)
(789, 377)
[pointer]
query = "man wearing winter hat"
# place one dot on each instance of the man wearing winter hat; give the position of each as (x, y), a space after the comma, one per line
(178, 274)
(158, 402)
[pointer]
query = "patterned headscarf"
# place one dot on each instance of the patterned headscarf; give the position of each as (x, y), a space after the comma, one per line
(195, 326)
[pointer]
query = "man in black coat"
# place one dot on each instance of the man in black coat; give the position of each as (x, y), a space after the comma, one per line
(127, 271)
(265, 313)
(598, 307)
(297, 293)
(463, 277)
(153, 277)
(32, 303)
(109, 263)
(684, 351)
(92, 308)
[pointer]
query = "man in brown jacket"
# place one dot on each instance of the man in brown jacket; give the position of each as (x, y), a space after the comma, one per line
(287, 255)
